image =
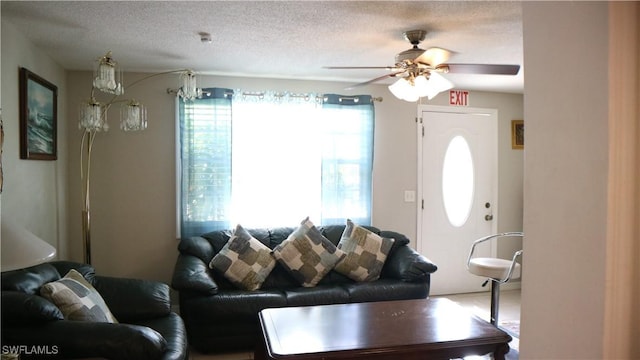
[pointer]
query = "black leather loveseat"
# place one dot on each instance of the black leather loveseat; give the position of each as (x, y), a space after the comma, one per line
(221, 317)
(34, 327)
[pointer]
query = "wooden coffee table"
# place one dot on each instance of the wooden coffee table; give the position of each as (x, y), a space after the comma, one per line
(405, 329)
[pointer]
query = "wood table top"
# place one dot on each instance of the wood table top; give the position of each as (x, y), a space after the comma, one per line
(374, 327)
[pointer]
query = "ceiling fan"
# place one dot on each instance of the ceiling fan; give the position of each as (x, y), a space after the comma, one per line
(419, 70)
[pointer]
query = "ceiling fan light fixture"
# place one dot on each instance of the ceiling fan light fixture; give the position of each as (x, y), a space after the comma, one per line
(404, 90)
(438, 84)
(413, 88)
(422, 87)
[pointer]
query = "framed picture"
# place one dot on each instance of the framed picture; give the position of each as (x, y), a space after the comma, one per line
(38, 117)
(517, 134)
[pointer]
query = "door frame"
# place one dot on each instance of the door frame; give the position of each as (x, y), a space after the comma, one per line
(420, 143)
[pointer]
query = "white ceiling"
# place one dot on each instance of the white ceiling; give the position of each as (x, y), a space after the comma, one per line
(281, 39)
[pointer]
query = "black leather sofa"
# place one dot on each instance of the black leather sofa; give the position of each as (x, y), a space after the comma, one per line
(35, 327)
(220, 317)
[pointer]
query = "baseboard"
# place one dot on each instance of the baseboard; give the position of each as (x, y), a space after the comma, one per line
(512, 285)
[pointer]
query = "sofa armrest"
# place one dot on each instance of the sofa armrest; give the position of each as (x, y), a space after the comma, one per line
(192, 274)
(83, 339)
(408, 265)
(133, 299)
(19, 308)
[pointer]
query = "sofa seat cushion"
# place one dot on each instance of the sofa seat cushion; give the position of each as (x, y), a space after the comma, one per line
(228, 337)
(319, 295)
(77, 299)
(280, 278)
(307, 254)
(244, 261)
(231, 305)
(385, 290)
(366, 253)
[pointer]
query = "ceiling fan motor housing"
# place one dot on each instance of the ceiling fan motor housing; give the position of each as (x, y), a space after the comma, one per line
(409, 55)
(415, 37)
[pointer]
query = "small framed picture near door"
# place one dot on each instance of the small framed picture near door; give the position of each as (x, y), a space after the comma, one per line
(517, 134)
(38, 117)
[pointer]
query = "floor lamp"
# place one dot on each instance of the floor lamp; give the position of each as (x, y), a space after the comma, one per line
(133, 117)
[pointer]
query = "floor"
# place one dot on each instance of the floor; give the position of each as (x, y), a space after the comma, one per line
(476, 303)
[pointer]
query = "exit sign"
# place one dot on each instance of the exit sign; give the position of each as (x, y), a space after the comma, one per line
(458, 97)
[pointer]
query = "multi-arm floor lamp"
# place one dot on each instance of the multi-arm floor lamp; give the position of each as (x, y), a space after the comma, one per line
(133, 117)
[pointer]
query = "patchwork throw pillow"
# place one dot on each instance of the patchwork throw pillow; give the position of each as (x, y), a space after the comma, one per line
(77, 299)
(244, 260)
(366, 253)
(307, 255)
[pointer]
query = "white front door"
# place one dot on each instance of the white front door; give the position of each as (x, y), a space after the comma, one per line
(458, 187)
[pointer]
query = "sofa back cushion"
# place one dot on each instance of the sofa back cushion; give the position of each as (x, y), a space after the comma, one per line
(205, 247)
(29, 280)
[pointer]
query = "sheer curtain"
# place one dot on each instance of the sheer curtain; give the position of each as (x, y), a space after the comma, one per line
(271, 159)
(204, 164)
(347, 158)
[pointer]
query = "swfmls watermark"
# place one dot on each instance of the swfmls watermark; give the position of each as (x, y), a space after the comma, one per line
(30, 349)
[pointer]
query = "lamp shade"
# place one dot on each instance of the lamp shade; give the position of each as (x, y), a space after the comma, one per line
(403, 89)
(133, 116)
(93, 116)
(20, 248)
(439, 84)
(107, 76)
(189, 91)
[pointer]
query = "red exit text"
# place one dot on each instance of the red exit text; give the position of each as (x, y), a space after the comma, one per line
(459, 97)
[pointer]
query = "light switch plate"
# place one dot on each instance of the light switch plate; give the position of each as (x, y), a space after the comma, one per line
(409, 196)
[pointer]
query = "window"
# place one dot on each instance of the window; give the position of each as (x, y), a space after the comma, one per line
(273, 159)
(458, 181)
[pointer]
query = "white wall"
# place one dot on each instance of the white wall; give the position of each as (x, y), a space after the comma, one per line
(35, 191)
(133, 176)
(565, 187)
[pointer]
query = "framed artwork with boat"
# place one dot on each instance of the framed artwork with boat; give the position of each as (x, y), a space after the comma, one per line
(38, 117)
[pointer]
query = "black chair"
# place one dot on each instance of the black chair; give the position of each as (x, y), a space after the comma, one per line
(35, 327)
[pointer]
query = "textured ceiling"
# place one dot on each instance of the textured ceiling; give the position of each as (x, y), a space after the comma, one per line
(282, 39)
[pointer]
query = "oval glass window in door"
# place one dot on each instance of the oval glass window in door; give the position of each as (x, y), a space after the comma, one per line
(458, 181)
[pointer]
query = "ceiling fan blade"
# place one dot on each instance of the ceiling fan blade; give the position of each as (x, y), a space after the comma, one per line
(484, 69)
(360, 67)
(433, 56)
(374, 80)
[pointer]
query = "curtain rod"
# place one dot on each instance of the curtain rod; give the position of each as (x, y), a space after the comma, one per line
(302, 95)
(306, 96)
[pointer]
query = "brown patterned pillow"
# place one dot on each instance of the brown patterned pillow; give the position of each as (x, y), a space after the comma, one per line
(244, 260)
(77, 299)
(366, 253)
(307, 255)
